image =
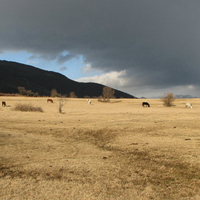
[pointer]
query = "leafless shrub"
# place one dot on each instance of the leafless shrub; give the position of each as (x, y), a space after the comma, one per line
(54, 93)
(62, 102)
(25, 92)
(168, 99)
(108, 93)
(72, 95)
(27, 108)
(101, 99)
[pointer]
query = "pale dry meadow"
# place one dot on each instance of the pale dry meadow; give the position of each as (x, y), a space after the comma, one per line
(117, 150)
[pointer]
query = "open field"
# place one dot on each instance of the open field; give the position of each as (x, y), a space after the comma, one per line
(117, 150)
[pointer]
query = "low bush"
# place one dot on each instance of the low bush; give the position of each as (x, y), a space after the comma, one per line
(101, 99)
(168, 99)
(28, 108)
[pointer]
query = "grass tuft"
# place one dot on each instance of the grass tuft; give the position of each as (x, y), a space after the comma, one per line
(27, 108)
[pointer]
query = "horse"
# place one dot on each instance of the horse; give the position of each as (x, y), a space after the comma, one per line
(89, 102)
(188, 105)
(145, 104)
(3, 104)
(49, 100)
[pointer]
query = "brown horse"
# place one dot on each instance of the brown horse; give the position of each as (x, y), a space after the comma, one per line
(49, 100)
(3, 104)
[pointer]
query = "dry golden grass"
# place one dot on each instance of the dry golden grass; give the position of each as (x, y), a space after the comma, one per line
(117, 150)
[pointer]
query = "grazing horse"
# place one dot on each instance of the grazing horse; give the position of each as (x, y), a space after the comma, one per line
(145, 104)
(3, 104)
(188, 105)
(49, 100)
(89, 102)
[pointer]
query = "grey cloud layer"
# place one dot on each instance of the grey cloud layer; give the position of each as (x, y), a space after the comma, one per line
(157, 41)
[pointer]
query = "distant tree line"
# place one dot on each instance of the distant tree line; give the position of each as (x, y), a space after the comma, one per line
(25, 92)
(54, 93)
(107, 93)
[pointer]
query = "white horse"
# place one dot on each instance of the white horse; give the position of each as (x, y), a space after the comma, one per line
(188, 105)
(89, 102)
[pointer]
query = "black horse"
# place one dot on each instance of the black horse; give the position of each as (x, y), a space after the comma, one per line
(145, 104)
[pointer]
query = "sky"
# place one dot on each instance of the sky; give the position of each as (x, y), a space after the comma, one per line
(146, 48)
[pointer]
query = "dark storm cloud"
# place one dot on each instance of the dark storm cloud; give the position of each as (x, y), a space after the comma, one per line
(157, 41)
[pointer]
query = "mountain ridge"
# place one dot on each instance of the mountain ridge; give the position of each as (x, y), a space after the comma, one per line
(14, 75)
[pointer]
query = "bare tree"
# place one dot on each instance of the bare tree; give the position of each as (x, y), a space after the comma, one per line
(168, 99)
(62, 101)
(25, 92)
(54, 93)
(72, 95)
(108, 93)
(22, 90)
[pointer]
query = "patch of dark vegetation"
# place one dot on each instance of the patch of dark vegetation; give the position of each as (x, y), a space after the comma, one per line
(166, 173)
(27, 108)
(139, 167)
(99, 137)
(52, 173)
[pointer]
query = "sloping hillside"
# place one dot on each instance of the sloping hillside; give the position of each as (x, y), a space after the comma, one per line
(14, 75)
